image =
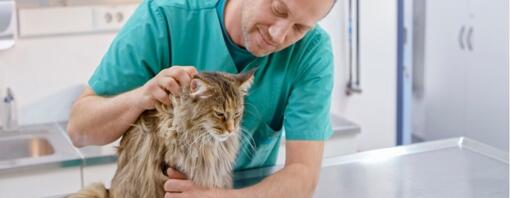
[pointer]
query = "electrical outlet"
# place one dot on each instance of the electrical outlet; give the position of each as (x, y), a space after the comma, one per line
(111, 17)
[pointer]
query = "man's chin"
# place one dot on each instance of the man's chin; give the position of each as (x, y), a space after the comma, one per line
(258, 52)
(255, 50)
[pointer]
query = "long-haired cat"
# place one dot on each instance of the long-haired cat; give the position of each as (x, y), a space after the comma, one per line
(198, 134)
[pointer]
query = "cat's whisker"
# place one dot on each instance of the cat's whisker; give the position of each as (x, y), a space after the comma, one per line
(197, 139)
(248, 150)
(251, 146)
(247, 135)
(252, 114)
(251, 105)
(257, 113)
(246, 138)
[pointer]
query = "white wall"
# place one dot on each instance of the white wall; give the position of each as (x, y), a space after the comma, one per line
(334, 24)
(37, 68)
(375, 108)
(3, 75)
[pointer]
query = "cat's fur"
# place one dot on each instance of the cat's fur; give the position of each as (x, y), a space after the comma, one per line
(179, 136)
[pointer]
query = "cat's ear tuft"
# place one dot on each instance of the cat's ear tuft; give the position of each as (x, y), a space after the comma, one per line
(199, 89)
(246, 80)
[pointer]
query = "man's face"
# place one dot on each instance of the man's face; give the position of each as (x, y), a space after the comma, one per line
(268, 26)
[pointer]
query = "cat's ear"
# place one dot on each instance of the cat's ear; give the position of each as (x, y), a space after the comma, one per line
(199, 88)
(246, 80)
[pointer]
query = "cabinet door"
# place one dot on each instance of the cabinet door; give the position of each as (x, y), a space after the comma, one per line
(44, 182)
(487, 73)
(445, 68)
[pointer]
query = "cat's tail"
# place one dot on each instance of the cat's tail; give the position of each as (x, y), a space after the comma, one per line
(95, 190)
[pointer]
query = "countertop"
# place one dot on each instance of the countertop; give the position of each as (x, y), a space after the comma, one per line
(453, 168)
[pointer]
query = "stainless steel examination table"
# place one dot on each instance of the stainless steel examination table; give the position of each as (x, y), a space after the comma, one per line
(452, 168)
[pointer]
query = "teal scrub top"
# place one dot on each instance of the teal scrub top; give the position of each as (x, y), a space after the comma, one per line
(291, 88)
(241, 56)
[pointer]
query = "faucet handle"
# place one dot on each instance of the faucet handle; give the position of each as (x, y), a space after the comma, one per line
(9, 112)
(9, 97)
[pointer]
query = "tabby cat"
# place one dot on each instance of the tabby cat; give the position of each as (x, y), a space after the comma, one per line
(198, 134)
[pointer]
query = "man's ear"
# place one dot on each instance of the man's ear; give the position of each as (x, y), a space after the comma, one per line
(246, 80)
(199, 89)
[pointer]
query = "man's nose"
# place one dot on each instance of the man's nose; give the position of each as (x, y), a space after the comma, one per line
(279, 30)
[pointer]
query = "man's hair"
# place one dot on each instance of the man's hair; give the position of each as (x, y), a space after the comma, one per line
(334, 2)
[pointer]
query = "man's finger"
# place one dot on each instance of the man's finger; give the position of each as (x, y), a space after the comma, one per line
(183, 78)
(174, 195)
(161, 96)
(190, 70)
(170, 84)
(174, 174)
(177, 185)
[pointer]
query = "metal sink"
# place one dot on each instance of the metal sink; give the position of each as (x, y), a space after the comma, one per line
(24, 146)
(35, 145)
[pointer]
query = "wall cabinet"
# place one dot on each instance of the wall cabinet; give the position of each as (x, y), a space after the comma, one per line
(466, 70)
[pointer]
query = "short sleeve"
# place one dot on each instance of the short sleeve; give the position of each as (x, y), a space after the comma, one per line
(139, 51)
(307, 112)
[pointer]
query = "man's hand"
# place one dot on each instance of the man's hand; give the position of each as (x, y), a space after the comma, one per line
(171, 80)
(98, 120)
(179, 186)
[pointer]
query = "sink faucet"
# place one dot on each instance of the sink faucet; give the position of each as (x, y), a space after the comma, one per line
(9, 111)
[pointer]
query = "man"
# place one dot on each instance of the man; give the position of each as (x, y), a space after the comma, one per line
(292, 86)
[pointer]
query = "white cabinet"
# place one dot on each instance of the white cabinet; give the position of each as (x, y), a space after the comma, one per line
(41, 183)
(487, 74)
(445, 67)
(466, 70)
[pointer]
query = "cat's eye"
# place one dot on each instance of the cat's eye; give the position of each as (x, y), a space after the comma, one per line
(238, 114)
(219, 114)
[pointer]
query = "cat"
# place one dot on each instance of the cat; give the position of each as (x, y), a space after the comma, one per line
(198, 134)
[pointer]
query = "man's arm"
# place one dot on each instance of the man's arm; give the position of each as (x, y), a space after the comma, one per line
(98, 120)
(299, 176)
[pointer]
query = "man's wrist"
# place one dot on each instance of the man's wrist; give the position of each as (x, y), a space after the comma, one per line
(136, 99)
(133, 100)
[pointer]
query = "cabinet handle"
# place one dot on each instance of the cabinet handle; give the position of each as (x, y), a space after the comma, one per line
(469, 39)
(461, 37)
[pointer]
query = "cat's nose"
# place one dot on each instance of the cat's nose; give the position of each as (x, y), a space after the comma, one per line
(230, 126)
